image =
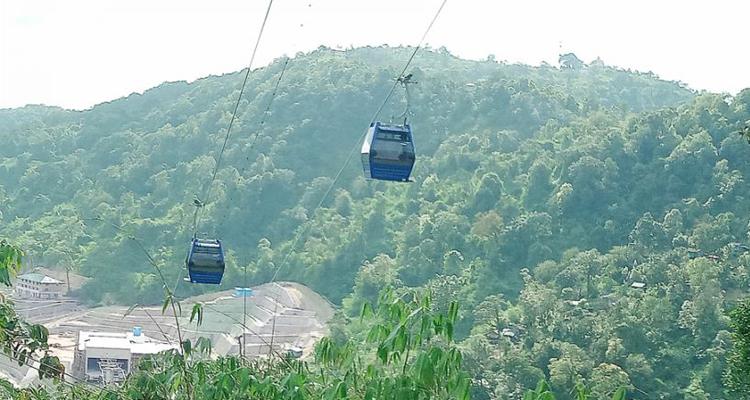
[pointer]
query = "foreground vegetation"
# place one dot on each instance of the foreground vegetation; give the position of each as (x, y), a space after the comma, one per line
(415, 359)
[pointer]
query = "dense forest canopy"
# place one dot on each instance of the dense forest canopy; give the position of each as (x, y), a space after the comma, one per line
(597, 214)
(139, 161)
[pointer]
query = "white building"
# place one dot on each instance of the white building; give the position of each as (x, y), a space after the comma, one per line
(39, 286)
(108, 356)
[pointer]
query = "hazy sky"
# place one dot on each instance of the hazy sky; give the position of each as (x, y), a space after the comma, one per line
(77, 53)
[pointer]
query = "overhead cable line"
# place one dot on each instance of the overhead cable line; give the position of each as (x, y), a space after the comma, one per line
(267, 111)
(205, 198)
(245, 327)
(261, 124)
(201, 202)
(356, 145)
(375, 115)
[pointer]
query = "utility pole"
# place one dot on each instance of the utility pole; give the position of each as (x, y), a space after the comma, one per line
(67, 278)
(244, 311)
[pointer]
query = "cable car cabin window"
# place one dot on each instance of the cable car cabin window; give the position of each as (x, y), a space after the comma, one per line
(201, 259)
(394, 136)
(394, 152)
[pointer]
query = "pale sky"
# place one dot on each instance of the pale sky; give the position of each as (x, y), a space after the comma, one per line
(77, 53)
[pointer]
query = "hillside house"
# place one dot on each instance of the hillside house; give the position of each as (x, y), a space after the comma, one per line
(39, 286)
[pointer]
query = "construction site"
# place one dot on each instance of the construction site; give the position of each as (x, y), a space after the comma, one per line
(101, 344)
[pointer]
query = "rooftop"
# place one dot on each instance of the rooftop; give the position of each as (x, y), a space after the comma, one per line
(38, 278)
(141, 344)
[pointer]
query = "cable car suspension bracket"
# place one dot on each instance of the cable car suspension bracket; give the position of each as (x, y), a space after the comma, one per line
(405, 81)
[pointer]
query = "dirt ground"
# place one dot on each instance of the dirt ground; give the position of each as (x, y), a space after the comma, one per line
(63, 347)
(301, 320)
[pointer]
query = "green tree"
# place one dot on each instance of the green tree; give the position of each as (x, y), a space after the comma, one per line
(737, 373)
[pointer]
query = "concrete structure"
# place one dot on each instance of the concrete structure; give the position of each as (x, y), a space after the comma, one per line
(281, 315)
(39, 286)
(106, 357)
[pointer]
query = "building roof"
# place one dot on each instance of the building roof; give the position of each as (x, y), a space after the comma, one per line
(141, 344)
(150, 348)
(70, 277)
(38, 278)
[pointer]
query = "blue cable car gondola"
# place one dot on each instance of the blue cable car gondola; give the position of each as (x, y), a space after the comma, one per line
(388, 152)
(205, 261)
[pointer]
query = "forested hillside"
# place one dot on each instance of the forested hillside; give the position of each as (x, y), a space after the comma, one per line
(541, 196)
